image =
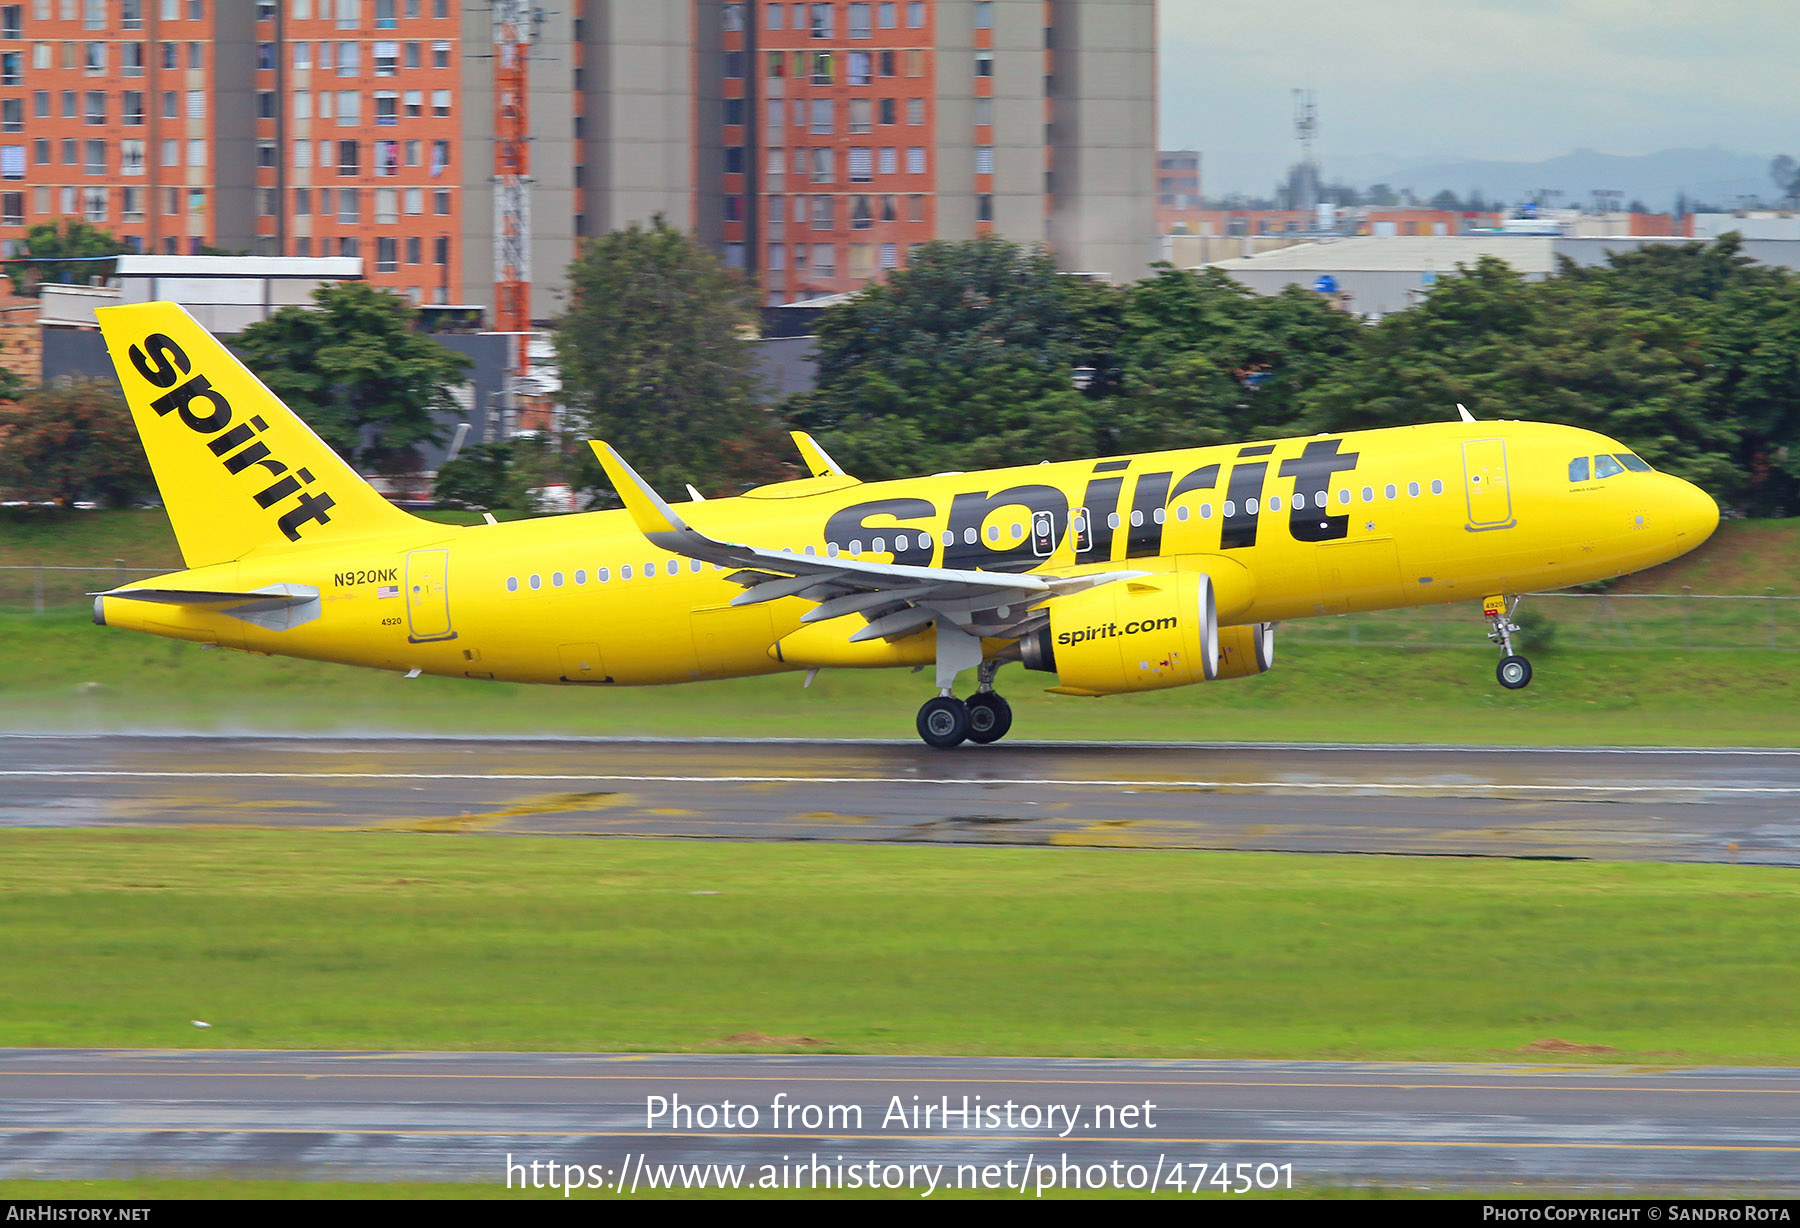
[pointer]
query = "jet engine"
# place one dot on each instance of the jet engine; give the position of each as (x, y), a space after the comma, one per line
(1246, 649)
(1145, 634)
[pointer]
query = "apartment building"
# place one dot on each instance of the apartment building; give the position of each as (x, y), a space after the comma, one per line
(813, 144)
(844, 134)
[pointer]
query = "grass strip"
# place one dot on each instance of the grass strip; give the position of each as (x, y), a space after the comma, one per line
(398, 941)
(63, 673)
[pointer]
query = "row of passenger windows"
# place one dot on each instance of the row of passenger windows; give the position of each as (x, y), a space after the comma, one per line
(1605, 466)
(603, 575)
(879, 545)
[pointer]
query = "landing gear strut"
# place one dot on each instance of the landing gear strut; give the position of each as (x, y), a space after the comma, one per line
(947, 721)
(1514, 671)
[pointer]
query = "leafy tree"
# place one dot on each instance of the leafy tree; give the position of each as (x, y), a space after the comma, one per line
(72, 441)
(59, 251)
(1551, 351)
(1381, 194)
(1205, 360)
(502, 475)
(967, 357)
(654, 361)
(355, 368)
(1446, 199)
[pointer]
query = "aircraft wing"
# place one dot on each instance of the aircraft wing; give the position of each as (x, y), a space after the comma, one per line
(893, 600)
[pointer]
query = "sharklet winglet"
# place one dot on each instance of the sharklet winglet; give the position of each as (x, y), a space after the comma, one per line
(818, 460)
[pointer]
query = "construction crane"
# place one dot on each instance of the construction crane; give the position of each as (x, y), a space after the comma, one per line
(515, 25)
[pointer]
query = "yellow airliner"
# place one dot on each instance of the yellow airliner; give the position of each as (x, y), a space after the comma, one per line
(1128, 573)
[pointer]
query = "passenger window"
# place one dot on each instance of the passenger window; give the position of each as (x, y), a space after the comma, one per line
(512, 584)
(1299, 500)
(1274, 503)
(1391, 492)
(880, 545)
(1412, 490)
(1230, 508)
(1578, 469)
(580, 575)
(537, 582)
(1181, 513)
(1606, 466)
(1437, 486)
(603, 575)
(625, 572)
(1632, 462)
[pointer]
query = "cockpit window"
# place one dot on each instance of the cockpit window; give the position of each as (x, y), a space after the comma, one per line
(1578, 469)
(1631, 462)
(1606, 466)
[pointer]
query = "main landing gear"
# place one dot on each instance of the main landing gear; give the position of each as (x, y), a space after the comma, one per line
(947, 721)
(1514, 671)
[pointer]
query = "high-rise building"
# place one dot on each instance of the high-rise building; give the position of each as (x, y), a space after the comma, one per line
(813, 144)
(841, 135)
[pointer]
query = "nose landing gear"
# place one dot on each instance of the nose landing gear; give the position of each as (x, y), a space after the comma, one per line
(1514, 671)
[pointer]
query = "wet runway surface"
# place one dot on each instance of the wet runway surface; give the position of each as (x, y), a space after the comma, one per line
(442, 1116)
(1665, 805)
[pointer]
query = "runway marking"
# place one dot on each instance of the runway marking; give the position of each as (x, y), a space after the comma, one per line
(976, 1079)
(919, 1138)
(1083, 783)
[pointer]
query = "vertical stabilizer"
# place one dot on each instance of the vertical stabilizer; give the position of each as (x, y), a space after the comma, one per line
(237, 469)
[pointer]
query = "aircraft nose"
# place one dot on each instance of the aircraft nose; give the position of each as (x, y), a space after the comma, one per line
(1694, 513)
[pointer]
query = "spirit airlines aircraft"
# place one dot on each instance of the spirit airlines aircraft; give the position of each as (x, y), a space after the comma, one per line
(1128, 573)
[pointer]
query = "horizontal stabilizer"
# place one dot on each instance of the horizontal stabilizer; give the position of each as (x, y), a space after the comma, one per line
(275, 606)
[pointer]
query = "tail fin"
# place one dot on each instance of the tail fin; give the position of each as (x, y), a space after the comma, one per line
(237, 469)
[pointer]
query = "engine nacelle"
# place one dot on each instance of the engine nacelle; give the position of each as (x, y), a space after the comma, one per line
(1246, 649)
(1132, 635)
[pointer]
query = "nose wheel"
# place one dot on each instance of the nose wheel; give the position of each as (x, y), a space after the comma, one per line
(1514, 671)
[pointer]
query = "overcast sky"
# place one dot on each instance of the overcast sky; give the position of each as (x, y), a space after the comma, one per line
(1504, 79)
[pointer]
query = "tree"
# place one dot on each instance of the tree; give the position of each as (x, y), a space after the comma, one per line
(66, 442)
(502, 475)
(63, 252)
(1553, 351)
(1446, 199)
(355, 368)
(1205, 360)
(654, 360)
(964, 359)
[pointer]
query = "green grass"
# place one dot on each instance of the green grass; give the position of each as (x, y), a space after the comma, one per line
(64, 673)
(1619, 671)
(380, 941)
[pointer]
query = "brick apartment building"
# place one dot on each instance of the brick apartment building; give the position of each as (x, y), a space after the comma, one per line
(813, 144)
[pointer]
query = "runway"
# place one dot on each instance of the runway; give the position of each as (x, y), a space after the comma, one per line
(450, 1116)
(1664, 805)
